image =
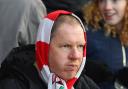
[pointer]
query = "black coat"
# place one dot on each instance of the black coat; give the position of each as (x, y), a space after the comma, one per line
(18, 72)
(70, 5)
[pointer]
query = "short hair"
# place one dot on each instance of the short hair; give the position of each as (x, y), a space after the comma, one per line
(69, 19)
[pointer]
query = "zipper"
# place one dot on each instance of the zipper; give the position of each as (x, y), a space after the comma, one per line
(124, 56)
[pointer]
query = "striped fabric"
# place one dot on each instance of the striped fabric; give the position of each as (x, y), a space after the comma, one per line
(42, 47)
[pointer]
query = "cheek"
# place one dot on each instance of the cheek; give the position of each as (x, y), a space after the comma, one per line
(80, 61)
(101, 6)
(57, 65)
(56, 61)
(122, 12)
(101, 10)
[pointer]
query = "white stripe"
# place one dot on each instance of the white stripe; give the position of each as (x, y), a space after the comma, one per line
(82, 25)
(45, 73)
(81, 67)
(44, 31)
(124, 56)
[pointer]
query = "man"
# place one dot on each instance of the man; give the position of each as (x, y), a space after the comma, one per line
(60, 57)
(19, 21)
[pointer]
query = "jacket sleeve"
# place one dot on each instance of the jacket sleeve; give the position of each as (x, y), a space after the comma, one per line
(85, 82)
(90, 82)
(12, 83)
(97, 71)
(16, 69)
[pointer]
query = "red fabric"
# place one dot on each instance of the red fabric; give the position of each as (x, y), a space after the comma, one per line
(54, 16)
(71, 82)
(41, 49)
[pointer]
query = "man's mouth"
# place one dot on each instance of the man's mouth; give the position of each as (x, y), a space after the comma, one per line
(71, 67)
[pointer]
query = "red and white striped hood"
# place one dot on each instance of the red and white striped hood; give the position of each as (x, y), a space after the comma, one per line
(42, 48)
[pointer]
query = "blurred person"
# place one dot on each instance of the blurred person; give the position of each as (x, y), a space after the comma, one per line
(19, 21)
(71, 5)
(107, 38)
(60, 52)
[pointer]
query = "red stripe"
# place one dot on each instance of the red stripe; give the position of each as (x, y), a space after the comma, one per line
(42, 49)
(54, 15)
(84, 54)
(71, 82)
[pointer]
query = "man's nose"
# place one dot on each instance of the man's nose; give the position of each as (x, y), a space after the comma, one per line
(75, 53)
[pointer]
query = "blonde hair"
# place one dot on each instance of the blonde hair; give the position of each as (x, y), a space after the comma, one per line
(93, 16)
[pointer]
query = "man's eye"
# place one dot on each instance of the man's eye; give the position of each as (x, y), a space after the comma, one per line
(67, 46)
(81, 47)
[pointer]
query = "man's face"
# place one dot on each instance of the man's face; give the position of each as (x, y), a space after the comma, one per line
(66, 50)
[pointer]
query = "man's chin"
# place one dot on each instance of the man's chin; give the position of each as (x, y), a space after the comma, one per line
(69, 76)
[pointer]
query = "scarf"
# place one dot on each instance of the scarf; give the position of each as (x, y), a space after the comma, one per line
(42, 47)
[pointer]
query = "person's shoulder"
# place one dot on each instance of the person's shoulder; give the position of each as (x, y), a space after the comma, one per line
(84, 82)
(25, 4)
(20, 56)
(95, 33)
(90, 82)
(12, 83)
(18, 70)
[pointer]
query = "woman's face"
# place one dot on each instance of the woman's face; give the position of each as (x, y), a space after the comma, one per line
(112, 10)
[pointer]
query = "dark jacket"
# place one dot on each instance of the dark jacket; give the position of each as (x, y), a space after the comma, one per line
(106, 52)
(18, 72)
(70, 5)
